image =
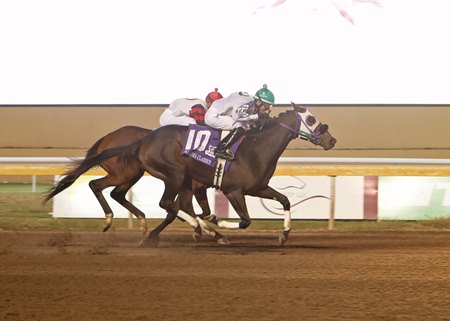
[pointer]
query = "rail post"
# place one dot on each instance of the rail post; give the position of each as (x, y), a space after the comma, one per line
(332, 202)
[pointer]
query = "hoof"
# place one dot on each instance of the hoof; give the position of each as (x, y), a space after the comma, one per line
(223, 241)
(143, 227)
(108, 222)
(197, 235)
(212, 219)
(283, 237)
(149, 242)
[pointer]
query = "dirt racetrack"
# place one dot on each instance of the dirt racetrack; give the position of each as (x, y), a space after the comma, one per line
(318, 275)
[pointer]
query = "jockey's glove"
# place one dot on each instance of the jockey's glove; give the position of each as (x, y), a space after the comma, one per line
(263, 115)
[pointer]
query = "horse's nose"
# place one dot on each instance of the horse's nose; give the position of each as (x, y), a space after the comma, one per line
(331, 143)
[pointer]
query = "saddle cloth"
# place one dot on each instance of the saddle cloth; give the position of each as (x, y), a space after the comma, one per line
(201, 142)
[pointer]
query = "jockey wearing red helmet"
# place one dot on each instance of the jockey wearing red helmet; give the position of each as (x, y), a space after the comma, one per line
(185, 111)
(212, 97)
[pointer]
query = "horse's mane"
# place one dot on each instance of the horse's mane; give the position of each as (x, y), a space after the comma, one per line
(267, 124)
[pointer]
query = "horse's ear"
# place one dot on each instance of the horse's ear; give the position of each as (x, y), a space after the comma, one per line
(298, 108)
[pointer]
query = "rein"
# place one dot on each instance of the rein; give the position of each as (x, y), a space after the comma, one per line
(296, 129)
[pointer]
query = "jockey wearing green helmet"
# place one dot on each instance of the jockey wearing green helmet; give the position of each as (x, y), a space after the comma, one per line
(238, 112)
(265, 98)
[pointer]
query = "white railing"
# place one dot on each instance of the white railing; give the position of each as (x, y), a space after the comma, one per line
(282, 160)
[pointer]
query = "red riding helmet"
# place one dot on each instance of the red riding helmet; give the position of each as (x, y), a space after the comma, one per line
(213, 96)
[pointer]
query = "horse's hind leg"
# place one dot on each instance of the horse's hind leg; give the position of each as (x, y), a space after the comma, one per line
(119, 194)
(97, 186)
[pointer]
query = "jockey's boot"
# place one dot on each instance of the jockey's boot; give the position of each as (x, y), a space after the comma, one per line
(224, 149)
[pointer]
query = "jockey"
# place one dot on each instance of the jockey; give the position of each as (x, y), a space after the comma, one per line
(238, 112)
(185, 111)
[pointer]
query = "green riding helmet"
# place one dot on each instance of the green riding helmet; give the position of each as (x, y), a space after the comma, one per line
(265, 95)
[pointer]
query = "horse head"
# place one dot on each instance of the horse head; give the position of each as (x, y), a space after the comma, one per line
(311, 129)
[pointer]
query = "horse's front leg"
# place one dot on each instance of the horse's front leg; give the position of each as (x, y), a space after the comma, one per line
(237, 200)
(202, 198)
(269, 193)
(153, 236)
(187, 213)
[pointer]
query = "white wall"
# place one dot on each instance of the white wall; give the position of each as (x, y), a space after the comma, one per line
(79, 201)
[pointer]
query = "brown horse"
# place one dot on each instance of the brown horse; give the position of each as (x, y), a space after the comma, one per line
(249, 174)
(122, 174)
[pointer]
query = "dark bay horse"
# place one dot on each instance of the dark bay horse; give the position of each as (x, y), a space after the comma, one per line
(249, 174)
(122, 174)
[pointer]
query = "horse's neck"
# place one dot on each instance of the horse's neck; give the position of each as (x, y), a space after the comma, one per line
(270, 144)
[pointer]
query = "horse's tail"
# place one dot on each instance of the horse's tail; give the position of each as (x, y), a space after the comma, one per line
(91, 160)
